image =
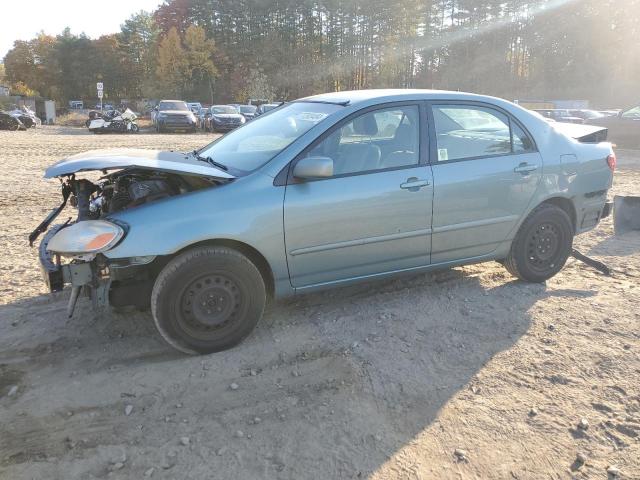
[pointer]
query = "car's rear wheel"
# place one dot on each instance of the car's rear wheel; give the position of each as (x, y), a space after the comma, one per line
(542, 245)
(207, 299)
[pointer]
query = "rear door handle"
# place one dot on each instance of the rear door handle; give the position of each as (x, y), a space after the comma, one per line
(414, 183)
(525, 168)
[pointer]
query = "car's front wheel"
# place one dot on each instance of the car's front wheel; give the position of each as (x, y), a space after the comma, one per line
(207, 299)
(542, 245)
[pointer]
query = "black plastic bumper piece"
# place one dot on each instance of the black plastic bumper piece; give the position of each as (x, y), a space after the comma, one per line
(53, 278)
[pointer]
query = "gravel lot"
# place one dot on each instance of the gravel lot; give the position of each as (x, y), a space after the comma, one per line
(462, 374)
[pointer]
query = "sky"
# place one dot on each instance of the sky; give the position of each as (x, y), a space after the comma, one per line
(92, 17)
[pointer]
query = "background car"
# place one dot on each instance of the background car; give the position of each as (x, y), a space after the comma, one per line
(265, 107)
(249, 112)
(194, 106)
(585, 114)
(200, 116)
(174, 115)
(610, 113)
(624, 128)
(223, 118)
(559, 115)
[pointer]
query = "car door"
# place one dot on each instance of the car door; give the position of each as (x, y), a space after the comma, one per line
(486, 170)
(374, 214)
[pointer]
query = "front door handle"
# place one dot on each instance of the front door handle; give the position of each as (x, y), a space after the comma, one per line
(525, 168)
(414, 183)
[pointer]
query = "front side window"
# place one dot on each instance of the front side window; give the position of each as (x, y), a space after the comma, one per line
(247, 148)
(468, 131)
(377, 140)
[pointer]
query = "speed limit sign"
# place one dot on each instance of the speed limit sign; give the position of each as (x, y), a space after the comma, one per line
(99, 86)
(99, 93)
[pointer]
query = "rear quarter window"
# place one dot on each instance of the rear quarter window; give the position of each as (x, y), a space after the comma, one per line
(466, 131)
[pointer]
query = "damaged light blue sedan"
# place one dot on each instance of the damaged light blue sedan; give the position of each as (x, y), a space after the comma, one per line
(323, 191)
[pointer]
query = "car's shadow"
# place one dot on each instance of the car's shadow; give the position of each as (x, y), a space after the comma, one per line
(340, 380)
(618, 245)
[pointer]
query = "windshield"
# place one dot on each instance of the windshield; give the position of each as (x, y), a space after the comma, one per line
(254, 144)
(173, 106)
(247, 109)
(223, 109)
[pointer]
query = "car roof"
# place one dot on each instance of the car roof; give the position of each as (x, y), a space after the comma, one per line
(359, 96)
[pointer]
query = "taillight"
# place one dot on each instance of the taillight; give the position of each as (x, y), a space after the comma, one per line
(611, 161)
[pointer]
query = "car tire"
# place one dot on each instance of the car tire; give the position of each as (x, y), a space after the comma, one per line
(207, 299)
(542, 245)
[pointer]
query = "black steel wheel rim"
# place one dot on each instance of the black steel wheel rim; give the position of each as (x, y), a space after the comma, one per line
(209, 303)
(544, 247)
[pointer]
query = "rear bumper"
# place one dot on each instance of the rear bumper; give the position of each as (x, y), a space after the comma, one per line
(592, 211)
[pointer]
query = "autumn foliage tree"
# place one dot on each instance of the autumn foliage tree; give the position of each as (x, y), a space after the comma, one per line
(222, 51)
(172, 64)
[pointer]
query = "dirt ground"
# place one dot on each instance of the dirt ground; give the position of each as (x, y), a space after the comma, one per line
(462, 374)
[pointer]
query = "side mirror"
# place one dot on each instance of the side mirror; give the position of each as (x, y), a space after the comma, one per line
(314, 167)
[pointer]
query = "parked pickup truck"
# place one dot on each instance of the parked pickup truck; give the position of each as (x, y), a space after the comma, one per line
(322, 192)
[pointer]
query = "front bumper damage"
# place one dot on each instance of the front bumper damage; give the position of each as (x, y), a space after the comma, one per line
(91, 278)
(119, 283)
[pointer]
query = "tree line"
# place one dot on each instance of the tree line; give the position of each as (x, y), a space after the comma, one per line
(232, 50)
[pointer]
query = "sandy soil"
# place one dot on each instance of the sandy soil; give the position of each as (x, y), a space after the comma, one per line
(462, 374)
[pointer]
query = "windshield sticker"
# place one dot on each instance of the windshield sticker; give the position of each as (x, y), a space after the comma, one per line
(314, 117)
(443, 154)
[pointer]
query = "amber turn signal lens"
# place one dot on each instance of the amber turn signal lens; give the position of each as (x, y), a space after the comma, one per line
(100, 241)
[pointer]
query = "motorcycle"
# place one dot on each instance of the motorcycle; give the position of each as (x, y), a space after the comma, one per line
(106, 115)
(116, 122)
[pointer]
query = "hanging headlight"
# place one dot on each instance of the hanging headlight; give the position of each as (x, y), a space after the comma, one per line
(89, 236)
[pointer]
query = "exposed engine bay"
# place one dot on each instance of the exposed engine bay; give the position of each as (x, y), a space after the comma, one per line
(120, 190)
(126, 189)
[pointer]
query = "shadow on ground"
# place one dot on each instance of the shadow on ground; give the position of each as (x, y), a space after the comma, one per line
(334, 382)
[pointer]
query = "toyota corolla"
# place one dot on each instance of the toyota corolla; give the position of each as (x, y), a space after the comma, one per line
(321, 192)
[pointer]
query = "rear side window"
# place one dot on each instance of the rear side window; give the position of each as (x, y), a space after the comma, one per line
(521, 141)
(464, 131)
